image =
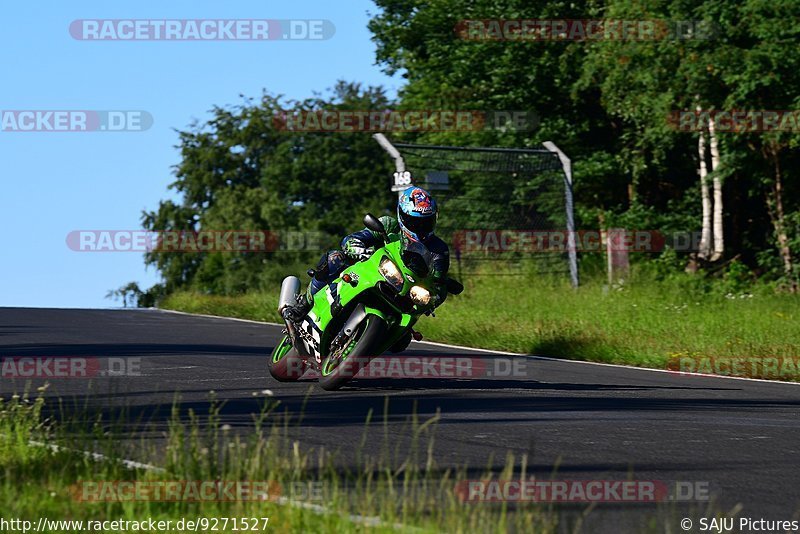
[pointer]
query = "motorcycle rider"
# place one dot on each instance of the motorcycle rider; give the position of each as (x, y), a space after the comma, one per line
(417, 214)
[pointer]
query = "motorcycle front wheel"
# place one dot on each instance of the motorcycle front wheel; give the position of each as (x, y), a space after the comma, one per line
(355, 354)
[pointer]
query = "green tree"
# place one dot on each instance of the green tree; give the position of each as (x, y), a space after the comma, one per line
(417, 39)
(748, 62)
(241, 170)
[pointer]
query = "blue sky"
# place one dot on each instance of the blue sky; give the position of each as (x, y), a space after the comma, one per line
(54, 183)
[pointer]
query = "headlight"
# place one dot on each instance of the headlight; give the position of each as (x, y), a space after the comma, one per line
(391, 273)
(420, 295)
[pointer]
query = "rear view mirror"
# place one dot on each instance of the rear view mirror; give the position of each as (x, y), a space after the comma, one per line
(374, 224)
(454, 287)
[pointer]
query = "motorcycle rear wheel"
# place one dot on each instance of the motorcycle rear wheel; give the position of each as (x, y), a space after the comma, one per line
(285, 364)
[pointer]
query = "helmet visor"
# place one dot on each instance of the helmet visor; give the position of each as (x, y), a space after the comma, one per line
(421, 226)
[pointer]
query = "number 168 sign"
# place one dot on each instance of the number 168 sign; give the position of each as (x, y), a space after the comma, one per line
(402, 179)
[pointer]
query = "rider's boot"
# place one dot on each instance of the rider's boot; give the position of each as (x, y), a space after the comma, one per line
(330, 265)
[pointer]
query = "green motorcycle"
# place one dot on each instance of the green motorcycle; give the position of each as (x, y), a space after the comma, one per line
(370, 308)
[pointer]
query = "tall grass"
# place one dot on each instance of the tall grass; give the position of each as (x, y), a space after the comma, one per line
(43, 461)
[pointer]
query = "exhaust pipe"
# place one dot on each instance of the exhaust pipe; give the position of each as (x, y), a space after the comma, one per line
(290, 287)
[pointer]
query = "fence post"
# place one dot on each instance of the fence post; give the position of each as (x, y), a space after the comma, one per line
(566, 164)
(617, 252)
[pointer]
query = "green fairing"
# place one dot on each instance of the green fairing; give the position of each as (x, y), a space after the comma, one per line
(368, 275)
(393, 230)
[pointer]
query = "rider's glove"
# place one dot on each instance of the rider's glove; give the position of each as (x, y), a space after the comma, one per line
(439, 294)
(356, 250)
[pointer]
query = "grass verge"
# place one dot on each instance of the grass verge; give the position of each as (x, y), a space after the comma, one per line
(644, 322)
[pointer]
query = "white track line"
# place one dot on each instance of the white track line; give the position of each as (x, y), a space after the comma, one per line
(506, 353)
(583, 362)
(130, 464)
(203, 315)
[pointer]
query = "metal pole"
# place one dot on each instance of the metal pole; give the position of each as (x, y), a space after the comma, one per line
(399, 162)
(566, 164)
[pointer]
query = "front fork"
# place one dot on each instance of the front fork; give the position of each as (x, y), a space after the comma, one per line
(356, 317)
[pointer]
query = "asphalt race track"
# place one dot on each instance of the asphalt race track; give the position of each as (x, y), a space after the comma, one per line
(739, 438)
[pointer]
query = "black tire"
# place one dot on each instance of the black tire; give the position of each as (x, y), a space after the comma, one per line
(361, 347)
(290, 366)
(401, 344)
